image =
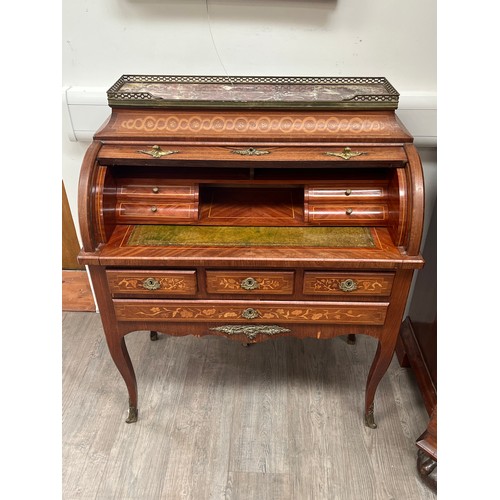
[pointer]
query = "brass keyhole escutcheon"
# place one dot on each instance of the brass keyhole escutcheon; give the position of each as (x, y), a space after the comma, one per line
(348, 285)
(154, 208)
(250, 152)
(250, 313)
(348, 211)
(249, 284)
(151, 284)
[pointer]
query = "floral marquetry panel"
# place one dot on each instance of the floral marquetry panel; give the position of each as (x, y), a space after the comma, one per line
(348, 283)
(240, 282)
(151, 283)
(347, 313)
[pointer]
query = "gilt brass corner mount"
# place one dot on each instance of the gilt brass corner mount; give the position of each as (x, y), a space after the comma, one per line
(156, 152)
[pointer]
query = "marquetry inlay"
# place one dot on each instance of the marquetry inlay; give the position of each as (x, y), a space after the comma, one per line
(373, 314)
(260, 124)
(170, 284)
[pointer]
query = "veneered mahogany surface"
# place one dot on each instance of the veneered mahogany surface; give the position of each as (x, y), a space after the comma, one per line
(249, 169)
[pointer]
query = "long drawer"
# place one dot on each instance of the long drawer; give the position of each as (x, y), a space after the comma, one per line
(249, 312)
(151, 283)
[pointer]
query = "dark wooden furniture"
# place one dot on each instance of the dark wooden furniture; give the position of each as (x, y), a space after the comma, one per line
(417, 348)
(252, 208)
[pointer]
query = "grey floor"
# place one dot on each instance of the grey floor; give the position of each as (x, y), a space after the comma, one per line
(277, 420)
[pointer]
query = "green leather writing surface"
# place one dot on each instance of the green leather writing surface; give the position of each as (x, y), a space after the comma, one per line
(174, 235)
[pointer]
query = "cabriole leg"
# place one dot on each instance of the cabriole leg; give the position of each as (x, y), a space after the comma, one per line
(153, 335)
(379, 366)
(119, 353)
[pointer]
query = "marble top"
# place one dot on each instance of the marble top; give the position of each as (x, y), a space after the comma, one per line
(253, 92)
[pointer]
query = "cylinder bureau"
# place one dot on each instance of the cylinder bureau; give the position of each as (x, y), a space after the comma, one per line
(251, 208)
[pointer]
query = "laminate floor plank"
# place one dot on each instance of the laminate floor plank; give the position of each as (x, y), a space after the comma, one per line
(277, 420)
(245, 485)
(260, 428)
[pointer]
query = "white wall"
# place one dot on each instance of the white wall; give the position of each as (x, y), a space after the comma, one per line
(104, 39)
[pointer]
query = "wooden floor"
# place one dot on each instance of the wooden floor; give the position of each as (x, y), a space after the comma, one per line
(76, 291)
(281, 420)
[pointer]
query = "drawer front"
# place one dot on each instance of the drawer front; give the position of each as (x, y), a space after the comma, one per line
(151, 283)
(268, 127)
(348, 213)
(379, 284)
(156, 213)
(159, 189)
(250, 282)
(251, 312)
(346, 191)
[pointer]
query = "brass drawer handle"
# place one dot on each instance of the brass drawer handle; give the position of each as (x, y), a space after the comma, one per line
(347, 153)
(250, 313)
(151, 284)
(156, 152)
(250, 152)
(348, 211)
(348, 285)
(249, 284)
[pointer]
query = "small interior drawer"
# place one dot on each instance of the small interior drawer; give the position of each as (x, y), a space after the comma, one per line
(347, 213)
(156, 212)
(348, 190)
(158, 189)
(250, 282)
(151, 283)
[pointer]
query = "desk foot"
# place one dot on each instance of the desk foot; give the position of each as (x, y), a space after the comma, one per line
(351, 339)
(132, 415)
(427, 469)
(153, 335)
(370, 418)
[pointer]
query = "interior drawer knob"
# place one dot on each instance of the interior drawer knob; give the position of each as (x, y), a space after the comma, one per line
(151, 284)
(348, 192)
(250, 313)
(348, 285)
(249, 284)
(348, 211)
(154, 209)
(156, 190)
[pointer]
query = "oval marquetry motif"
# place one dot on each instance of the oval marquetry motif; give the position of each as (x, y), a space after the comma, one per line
(264, 124)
